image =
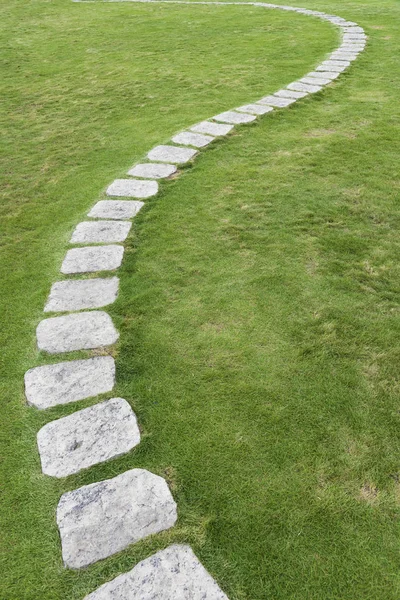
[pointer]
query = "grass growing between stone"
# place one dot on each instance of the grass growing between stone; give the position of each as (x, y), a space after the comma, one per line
(259, 302)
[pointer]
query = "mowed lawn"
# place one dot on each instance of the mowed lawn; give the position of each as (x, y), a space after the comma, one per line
(259, 305)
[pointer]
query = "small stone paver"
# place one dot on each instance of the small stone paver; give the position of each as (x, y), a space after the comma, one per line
(153, 170)
(255, 109)
(333, 68)
(315, 81)
(290, 94)
(187, 138)
(304, 87)
(70, 381)
(97, 232)
(77, 294)
(344, 56)
(235, 118)
(92, 259)
(100, 519)
(276, 102)
(171, 574)
(87, 437)
(116, 209)
(171, 154)
(336, 63)
(77, 331)
(323, 75)
(210, 128)
(134, 188)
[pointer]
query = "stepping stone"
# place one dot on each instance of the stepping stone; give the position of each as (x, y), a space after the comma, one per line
(290, 94)
(304, 87)
(77, 294)
(212, 128)
(344, 56)
(171, 574)
(153, 170)
(70, 381)
(115, 209)
(198, 140)
(100, 519)
(315, 81)
(134, 188)
(230, 116)
(323, 75)
(87, 437)
(276, 102)
(97, 232)
(330, 68)
(80, 331)
(353, 29)
(92, 258)
(171, 154)
(336, 63)
(255, 109)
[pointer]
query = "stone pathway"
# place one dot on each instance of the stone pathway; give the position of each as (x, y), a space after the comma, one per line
(98, 520)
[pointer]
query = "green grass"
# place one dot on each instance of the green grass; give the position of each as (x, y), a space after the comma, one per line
(259, 304)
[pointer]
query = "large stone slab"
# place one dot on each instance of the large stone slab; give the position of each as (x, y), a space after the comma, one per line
(330, 68)
(276, 102)
(323, 75)
(187, 138)
(315, 81)
(77, 294)
(171, 154)
(100, 519)
(115, 209)
(98, 232)
(255, 109)
(304, 87)
(210, 128)
(92, 259)
(79, 331)
(133, 188)
(153, 170)
(235, 118)
(171, 574)
(87, 437)
(290, 94)
(70, 381)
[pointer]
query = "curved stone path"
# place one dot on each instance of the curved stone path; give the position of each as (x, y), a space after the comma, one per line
(98, 520)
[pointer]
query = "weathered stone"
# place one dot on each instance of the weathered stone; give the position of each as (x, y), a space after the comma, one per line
(353, 29)
(315, 81)
(100, 519)
(230, 116)
(92, 258)
(97, 232)
(255, 109)
(336, 63)
(171, 154)
(115, 209)
(290, 94)
(198, 140)
(330, 68)
(323, 75)
(304, 87)
(77, 294)
(171, 574)
(216, 129)
(87, 437)
(153, 170)
(134, 188)
(70, 381)
(78, 331)
(344, 56)
(276, 102)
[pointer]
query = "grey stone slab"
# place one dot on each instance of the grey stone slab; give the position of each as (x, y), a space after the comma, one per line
(153, 170)
(235, 118)
(92, 259)
(344, 56)
(323, 75)
(116, 209)
(255, 109)
(304, 87)
(133, 188)
(70, 381)
(314, 81)
(171, 154)
(210, 128)
(330, 68)
(354, 29)
(97, 232)
(187, 138)
(87, 437)
(77, 294)
(336, 63)
(78, 331)
(171, 574)
(100, 519)
(276, 102)
(290, 94)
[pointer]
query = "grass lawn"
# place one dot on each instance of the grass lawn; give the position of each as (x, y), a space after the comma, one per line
(259, 305)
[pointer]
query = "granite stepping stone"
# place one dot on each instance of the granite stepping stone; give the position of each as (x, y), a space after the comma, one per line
(87, 437)
(70, 381)
(171, 574)
(187, 138)
(78, 331)
(210, 128)
(304, 87)
(115, 209)
(100, 519)
(92, 258)
(323, 75)
(290, 94)
(255, 109)
(235, 118)
(134, 188)
(82, 293)
(97, 232)
(153, 170)
(315, 81)
(336, 63)
(276, 101)
(333, 68)
(171, 154)
(344, 56)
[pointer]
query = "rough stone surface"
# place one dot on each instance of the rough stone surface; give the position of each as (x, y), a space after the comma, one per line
(77, 294)
(153, 170)
(344, 56)
(255, 109)
(92, 258)
(171, 574)
(315, 81)
(171, 154)
(97, 232)
(77, 331)
(304, 87)
(212, 128)
(323, 75)
(198, 140)
(290, 94)
(115, 209)
(70, 381)
(87, 437)
(276, 102)
(336, 63)
(230, 116)
(100, 519)
(134, 188)
(333, 68)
